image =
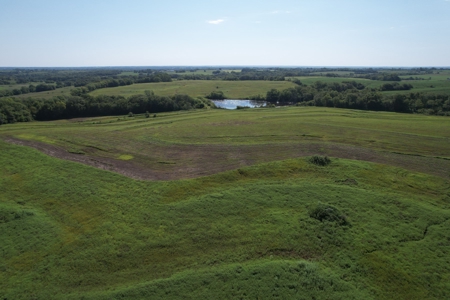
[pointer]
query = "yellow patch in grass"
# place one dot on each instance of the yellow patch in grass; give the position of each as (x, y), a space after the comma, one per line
(125, 157)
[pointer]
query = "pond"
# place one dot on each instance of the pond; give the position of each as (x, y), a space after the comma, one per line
(233, 104)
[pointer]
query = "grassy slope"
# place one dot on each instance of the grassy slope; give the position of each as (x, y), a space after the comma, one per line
(194, 88)
(147, 139)
(68, 230)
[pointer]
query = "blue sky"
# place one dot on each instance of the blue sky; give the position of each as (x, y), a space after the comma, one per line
(168, 33)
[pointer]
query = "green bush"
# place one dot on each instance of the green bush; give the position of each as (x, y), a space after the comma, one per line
(216, 95)
(320, 160)
(325, 212)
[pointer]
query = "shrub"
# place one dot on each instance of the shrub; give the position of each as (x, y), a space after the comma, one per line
(325, 212)
(320, 160)
(216, 95)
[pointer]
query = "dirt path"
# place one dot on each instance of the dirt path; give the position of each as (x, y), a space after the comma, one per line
(190, 161)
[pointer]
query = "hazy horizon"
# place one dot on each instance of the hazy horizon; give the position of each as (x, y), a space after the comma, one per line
(288, 33)
(223, 66)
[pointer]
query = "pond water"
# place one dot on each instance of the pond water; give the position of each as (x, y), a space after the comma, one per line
(233, 104)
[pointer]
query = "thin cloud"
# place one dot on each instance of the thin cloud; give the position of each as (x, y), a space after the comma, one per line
(216, 22)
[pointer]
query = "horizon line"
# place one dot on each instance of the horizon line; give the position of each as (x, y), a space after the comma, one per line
(226, 66)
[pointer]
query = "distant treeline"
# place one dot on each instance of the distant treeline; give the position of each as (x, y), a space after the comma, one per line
(354, 95)
(382, 76)
(85, 87)
(89, 79)
(42, 87)
(62, 107)
(158, 77)
(396, 87)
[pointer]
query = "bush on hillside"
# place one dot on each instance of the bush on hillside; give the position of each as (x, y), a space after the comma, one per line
(325, 212)
(216, 95)
(320, 160)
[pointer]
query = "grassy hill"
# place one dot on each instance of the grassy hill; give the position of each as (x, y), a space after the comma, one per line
(201, 88)
(241, 212)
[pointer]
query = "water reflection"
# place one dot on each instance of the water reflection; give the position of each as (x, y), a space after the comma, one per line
(233, 104)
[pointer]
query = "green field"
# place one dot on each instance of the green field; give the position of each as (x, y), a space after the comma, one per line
(308, 80)
(128, 73)
(65, 91)
(433, 83)
(18, 86)
(194, 88)
(235, 209)
(208, 71)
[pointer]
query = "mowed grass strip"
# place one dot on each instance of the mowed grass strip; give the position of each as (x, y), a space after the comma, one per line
(198, 88)
(69, 230)
(195, 142)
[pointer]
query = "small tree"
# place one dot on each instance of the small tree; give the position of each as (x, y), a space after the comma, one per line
(130, 114)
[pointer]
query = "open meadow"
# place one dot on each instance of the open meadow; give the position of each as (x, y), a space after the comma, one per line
(432, 83)
(65, 91)
(213, 150)
(198, 88)
(227, 204)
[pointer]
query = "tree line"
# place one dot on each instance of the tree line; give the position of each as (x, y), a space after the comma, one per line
(42, 87)
(89, 79)
(354, 95)
(66, 107)
(86, 87)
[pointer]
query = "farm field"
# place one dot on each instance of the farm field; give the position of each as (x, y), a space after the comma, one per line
(227, 204)
(308, 80)
(433, 83)
(65, 91)
(198, 88)
(208, 71)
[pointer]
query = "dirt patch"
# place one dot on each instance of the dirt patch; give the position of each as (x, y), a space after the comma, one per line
(113, 165)
(190, 161)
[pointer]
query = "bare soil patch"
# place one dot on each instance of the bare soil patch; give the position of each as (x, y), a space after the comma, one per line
(191, 161)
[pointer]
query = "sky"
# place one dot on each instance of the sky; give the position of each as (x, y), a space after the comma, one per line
(63, 33)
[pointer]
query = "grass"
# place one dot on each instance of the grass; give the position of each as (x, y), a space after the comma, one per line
(65, 91)
(433, 83)
(74, 231)
(128, 73)
(269, 227)
(205, 71)
(308, 80)
(405, 133)
(195, 88)
(125, 157)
